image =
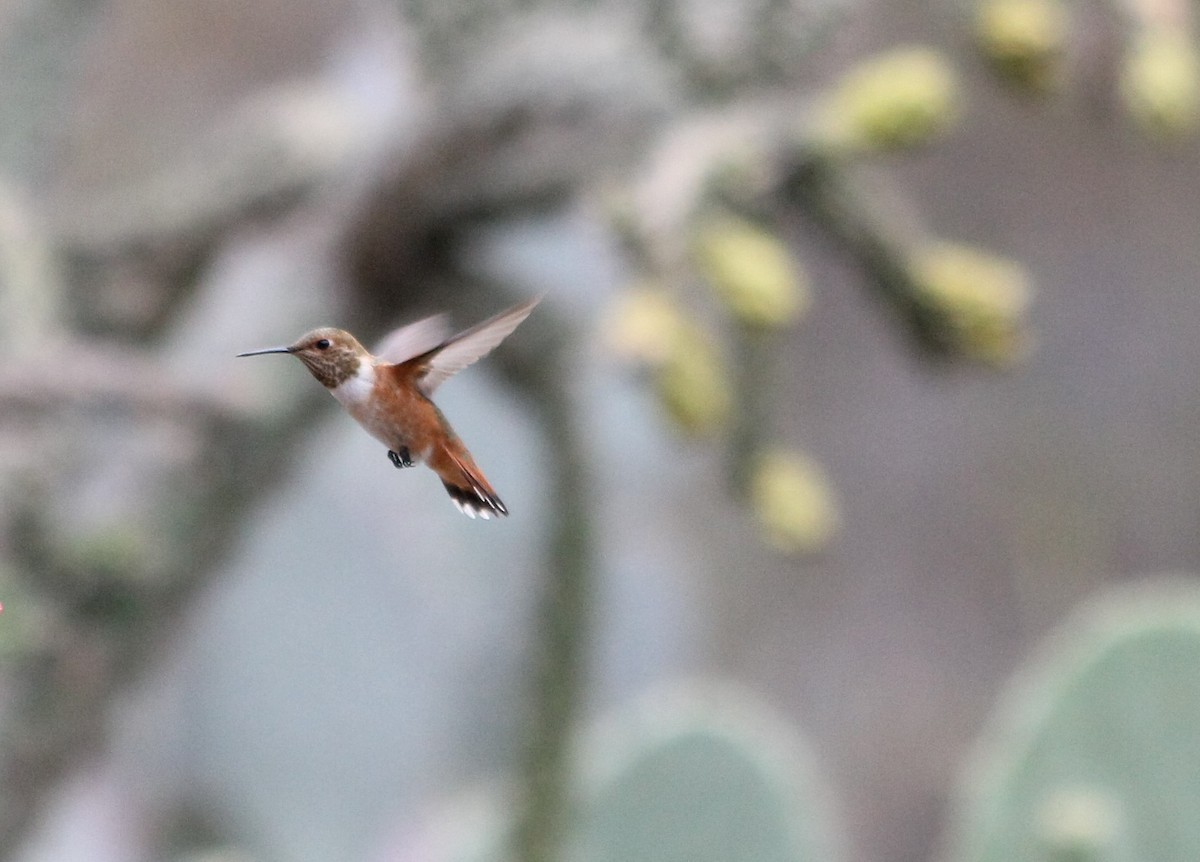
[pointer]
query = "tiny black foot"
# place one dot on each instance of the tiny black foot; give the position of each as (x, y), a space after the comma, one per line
(401, 459)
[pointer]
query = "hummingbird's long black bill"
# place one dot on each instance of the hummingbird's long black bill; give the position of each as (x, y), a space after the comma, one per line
(266, 350)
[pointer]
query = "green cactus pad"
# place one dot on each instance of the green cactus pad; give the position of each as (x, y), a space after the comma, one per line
(699, 774)
(1095, 751)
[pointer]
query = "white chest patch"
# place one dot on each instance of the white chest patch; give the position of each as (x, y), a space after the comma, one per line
(356, 391)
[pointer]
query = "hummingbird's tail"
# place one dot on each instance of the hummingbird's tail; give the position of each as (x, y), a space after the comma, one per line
(468, 488)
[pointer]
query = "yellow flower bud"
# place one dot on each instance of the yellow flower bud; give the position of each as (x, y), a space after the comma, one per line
(793, 502)
(642, 324)
(646, 326)
(752, 272)
(1160, 82)
(1023, 38)
(895, 101)
(983, 299)
(693, 382)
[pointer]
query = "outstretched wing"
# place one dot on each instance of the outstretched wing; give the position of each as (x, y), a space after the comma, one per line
(413, 339)
(454, 354)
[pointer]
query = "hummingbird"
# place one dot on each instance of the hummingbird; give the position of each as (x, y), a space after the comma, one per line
(390, 394)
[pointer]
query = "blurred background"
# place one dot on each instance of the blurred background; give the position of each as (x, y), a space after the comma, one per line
(867, 354)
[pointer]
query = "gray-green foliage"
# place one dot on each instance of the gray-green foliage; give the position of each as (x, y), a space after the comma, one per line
(40, 45)
(30, 287)
(1095, 753)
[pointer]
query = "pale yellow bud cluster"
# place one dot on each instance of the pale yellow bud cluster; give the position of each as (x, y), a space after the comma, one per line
(1160, 81)
(1024, 39)
(752, 271)
(694, 384)
(647, 327)
(981, 298)
(895, 101)
(793, 502)
(642, 325)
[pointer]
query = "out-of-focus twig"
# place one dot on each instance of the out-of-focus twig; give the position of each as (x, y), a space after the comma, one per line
(82, 376)
(823, 190)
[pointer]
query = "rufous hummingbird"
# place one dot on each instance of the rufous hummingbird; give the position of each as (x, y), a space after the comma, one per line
(389, 394)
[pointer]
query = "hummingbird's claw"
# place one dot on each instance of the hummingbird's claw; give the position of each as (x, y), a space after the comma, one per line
(401, 459)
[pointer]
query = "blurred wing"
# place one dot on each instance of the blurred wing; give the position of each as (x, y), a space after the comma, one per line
(455, 354)
(401, 345)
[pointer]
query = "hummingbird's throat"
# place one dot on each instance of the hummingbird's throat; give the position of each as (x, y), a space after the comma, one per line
(332, 369)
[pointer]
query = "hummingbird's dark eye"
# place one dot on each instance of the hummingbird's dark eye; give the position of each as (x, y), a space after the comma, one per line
(323, 344)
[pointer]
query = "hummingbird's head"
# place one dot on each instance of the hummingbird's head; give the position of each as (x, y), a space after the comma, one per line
(332, 355)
